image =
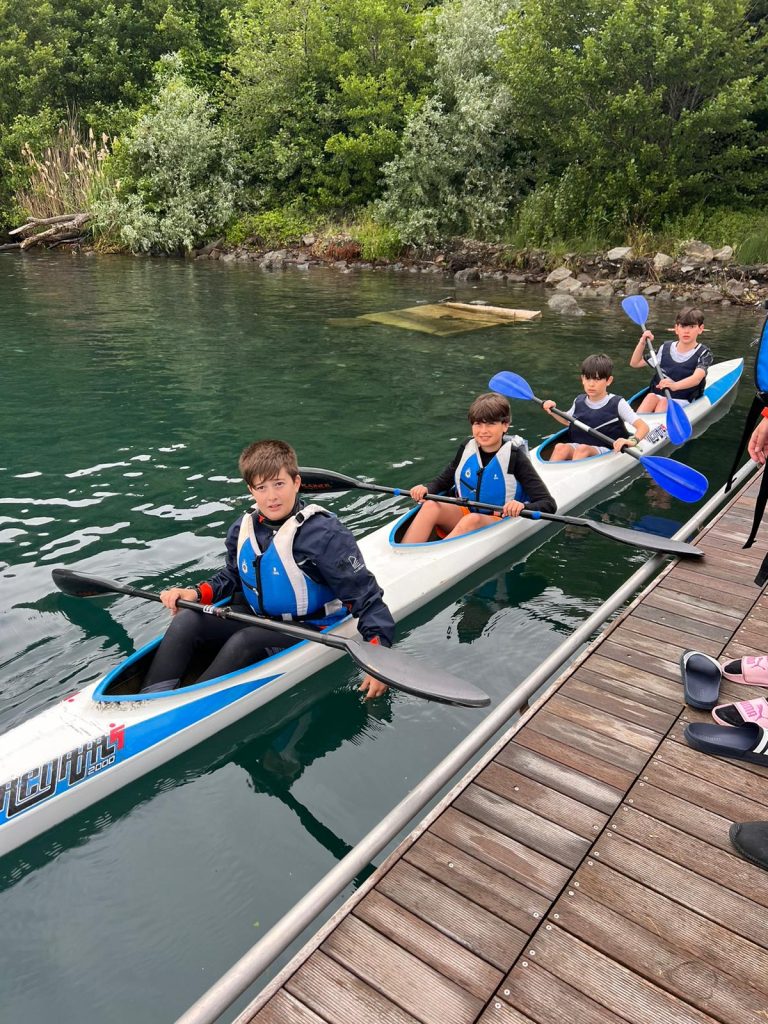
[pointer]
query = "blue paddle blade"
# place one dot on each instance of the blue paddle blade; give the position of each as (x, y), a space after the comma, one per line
(636, 308)
(678, 425)
(511, 384)
(676, 478)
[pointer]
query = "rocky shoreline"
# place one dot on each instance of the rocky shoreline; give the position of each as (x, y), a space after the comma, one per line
(698, 274)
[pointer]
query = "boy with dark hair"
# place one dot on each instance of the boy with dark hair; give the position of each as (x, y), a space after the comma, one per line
(489, 467)
(285, 561)
(683, 363)
(599, 409)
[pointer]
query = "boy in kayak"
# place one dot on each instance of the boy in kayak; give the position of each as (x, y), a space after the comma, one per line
(489, 467)
(284, 560)
(599, 409)
(683, 363)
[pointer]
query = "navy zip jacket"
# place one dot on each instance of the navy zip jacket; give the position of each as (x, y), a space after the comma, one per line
(538, 497)
(327, 552)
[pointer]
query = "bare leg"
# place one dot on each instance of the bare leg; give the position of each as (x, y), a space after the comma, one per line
(430, 515)
(653, 403)
(561, 453)
(584, 451)
(474, 521)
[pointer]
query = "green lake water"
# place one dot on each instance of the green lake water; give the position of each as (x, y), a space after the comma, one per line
(129, 387)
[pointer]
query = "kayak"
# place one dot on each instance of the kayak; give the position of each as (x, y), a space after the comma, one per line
(106, 735)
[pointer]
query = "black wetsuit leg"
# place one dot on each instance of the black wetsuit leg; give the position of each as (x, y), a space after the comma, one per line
(238, 645)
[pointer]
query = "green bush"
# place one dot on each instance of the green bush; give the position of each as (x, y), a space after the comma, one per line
(377, 241)
(274, 228)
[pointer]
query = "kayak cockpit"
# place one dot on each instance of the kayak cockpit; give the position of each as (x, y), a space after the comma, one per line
(126, 679)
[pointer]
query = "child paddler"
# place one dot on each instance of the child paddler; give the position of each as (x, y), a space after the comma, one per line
(599, 409)
(284, 560)
(683, 363)
(489, 467)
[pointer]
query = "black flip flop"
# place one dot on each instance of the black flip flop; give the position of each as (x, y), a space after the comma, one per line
(701, 680)
(744, 742)
(751, 840)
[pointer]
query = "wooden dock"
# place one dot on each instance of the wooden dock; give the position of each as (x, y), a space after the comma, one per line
(582, 871)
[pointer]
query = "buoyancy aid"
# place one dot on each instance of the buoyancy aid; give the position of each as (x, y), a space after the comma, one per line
(606, 419)
(491, 483)
(274, 584)
(675, 370)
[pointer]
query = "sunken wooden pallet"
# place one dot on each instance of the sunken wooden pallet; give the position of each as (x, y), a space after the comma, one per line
(582, 871)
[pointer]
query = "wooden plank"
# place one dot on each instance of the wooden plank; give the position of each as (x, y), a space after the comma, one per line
(573, 757)
(407, 981)
(700, 792)
(560, 777)
(709, 570)
(507, 855)
(718, 863)
(617, 661)
(283, 1007)
(473, 927)
(700, 626)
(646, 653)
(706, 898)
(693, 608)
(548, 999)
(339, 996)
(428, 944)
(695, 821)
(503, 896)
(703, 940)
(601, 747)
(620, 705)
(663, 695)
(547, 837)
(499, 1012)
(631, 735)
(689, 976)
(729, 775)
(607, 982)
(675, 638)
(737, 597)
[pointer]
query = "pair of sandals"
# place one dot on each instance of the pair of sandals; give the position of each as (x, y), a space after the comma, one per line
(742, 729)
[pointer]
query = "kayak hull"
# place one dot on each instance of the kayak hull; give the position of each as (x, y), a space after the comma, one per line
(93, 742)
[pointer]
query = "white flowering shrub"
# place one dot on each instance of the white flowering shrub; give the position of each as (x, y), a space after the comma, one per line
(172, 177)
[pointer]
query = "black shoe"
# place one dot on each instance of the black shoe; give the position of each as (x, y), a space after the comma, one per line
(751, 840)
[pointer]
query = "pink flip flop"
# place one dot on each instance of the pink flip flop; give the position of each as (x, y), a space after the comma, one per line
(745, 711)
(752, 671)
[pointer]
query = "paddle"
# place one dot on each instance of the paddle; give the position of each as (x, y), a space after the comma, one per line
(397, 670)
(678, 479)
(678, 425)
(319, 481)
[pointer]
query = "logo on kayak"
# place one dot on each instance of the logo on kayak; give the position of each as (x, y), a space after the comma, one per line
(61, 773)
(658, 433)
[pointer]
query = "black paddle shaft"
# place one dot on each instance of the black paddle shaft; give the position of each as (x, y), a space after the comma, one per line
(608, 441)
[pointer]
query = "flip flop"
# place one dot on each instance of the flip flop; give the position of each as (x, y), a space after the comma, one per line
(745, 742)
(751, 840)
(752, 671)
(743, 711)
(701, 679)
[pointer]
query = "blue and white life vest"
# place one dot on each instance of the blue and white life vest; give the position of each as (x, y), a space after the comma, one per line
(273, 582)
(490, 483)
(606, 419)
(671, 368)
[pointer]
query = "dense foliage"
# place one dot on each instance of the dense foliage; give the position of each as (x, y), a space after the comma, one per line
(535, 121)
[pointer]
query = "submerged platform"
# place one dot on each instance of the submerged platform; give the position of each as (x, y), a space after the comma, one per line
(582, 870)
(442, 318)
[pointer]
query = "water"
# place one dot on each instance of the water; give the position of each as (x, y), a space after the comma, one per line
(129, 387)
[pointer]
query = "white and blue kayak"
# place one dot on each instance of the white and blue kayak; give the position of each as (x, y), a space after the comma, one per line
(106, 735)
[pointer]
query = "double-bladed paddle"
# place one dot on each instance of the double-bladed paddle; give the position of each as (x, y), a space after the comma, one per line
(678, 425)
(322, 481)
(397, 670)
(676, 478)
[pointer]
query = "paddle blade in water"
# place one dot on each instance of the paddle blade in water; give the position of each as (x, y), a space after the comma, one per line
(411, 676)
(650, 541)
(511, 384)
(676, 478)
(678, 425)
(636, 308)
(77, 584)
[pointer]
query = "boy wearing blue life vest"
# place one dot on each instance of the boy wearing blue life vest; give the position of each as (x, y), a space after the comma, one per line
(284, 560)
(683, 363)
(599, 409)
(489, 467)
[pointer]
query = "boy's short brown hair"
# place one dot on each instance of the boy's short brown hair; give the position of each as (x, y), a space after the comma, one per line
(689, 316)
(597, 367)
(263, 460)
(489, 408)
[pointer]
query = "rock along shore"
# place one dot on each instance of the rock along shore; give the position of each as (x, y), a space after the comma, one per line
(699, 274)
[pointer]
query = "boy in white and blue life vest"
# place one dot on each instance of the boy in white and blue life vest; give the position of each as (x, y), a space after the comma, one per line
(597, 408)
(284, 560)
(489, 467)
(683, 363)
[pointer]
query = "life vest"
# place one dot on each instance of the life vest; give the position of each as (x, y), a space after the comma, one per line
(491, 483)
(274, 584)
(671, 368)
(606, 419)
